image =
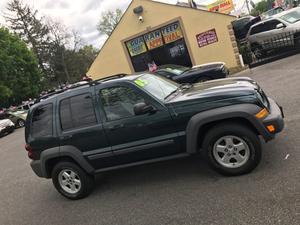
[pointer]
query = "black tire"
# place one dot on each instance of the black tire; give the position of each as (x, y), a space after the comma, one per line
(246, 134)
(87, 181)
(21, 123)
(297, 40)
(258, 51)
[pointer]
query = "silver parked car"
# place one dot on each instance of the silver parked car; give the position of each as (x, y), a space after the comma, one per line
(280, 30)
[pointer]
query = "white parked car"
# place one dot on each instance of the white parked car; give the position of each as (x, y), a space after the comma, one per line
(6, 126)
(280, 30)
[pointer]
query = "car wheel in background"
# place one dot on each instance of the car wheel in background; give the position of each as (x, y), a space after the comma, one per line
(232, 149)
(258, 51)
(21, 123)
(71, 181)
(297, 40)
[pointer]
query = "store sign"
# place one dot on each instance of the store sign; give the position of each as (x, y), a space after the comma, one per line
(207, 38)
(136, 46)
(222, 6)
(153, 39)
(172, 33)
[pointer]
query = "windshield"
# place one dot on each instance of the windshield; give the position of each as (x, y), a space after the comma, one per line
(158, 86)
(175, 69)
(291, 17)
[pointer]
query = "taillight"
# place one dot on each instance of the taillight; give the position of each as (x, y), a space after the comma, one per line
(29, 150)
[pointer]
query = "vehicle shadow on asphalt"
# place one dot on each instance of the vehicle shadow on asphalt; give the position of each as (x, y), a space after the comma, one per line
(190, 169)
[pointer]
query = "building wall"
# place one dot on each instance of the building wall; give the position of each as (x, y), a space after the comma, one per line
(113, 57)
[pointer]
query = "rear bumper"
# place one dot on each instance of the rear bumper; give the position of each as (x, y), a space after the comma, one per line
(37, 167)
(275, 118)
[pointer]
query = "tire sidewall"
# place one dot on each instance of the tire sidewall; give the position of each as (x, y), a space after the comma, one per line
(249, 137)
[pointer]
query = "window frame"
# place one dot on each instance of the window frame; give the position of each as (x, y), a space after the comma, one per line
(149, 99)
(69, 104)
(53, 121)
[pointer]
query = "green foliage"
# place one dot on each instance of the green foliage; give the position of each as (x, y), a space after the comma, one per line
(109, 21)
(24, 21)
(261, 7)
(79, 61)
(20, 77)
(59, 53)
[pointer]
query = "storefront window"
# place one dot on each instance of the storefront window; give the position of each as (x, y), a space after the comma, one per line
(165, 45)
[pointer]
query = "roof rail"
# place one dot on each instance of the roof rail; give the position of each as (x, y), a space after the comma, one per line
(119, 75)
(93, 82)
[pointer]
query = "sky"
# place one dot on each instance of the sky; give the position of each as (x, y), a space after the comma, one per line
(81, 15)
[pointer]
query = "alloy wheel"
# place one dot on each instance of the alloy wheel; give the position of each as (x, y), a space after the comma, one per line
(69, 181)
(231, 151)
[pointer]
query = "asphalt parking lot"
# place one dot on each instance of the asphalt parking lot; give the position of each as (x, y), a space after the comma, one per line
(181, 192)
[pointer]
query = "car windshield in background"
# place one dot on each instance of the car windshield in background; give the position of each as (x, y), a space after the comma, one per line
(175, 69)
(292, 17)
(155, 85)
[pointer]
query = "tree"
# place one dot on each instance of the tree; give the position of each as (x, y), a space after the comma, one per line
(20, 77)
(109, 21)
(25, 22)
(79, 61)
(261, 7)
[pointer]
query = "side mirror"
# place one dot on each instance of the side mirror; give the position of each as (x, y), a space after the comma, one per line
(280, 26)
(143, 108)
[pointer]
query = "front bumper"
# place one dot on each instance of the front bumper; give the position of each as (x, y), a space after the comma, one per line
(275, 118)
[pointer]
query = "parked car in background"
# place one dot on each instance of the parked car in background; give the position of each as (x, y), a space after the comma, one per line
(17, 117)
(242, 25)
(281, 30)
(199, 73)
(25, 106)
(6, 127)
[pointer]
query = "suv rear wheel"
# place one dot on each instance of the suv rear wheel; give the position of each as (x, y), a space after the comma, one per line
(232, 149)
(71, 181)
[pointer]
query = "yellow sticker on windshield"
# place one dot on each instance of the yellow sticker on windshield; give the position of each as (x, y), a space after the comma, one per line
(141, 82)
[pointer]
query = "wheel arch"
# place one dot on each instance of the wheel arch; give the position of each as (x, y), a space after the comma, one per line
(50, 157)
(201, 122)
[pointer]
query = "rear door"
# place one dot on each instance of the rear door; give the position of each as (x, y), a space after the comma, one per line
(136, 137)
(80, 126)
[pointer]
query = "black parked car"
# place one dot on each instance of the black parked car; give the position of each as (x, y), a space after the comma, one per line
(124, 121)
(182, 74)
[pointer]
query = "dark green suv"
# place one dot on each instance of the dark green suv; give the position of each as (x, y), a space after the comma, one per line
(123, 121)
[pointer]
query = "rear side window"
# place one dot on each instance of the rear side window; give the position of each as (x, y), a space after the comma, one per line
(42, 121)
(76, 112)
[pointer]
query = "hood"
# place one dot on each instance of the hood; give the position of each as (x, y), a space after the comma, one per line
(217, 90)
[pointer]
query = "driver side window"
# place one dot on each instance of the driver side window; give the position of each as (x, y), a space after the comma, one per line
(118, 102)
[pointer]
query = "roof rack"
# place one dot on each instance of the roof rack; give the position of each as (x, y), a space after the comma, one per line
(93, 82)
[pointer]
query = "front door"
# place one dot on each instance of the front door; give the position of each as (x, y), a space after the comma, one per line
(136, 137)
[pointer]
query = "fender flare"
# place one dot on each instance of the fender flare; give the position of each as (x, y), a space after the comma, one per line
(244, 111)
(68, 151)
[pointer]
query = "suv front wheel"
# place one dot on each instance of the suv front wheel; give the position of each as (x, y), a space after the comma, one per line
(71, 181)
(232, 149)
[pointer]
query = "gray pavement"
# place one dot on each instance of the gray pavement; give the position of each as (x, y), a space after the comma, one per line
(181, 192)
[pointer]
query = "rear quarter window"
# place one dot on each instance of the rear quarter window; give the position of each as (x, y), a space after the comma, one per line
(42, 121)
(77, 111)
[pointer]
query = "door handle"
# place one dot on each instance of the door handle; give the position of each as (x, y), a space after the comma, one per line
(66, 137)
(114, 127)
